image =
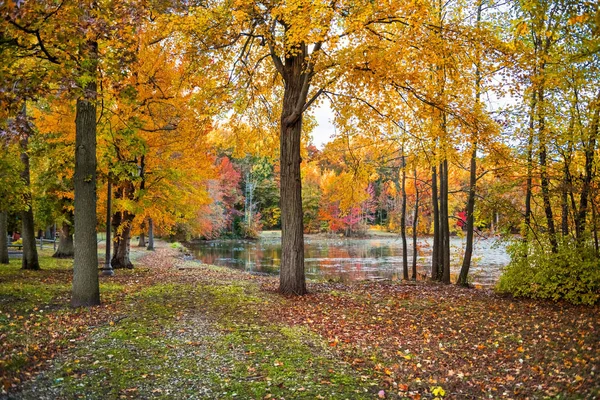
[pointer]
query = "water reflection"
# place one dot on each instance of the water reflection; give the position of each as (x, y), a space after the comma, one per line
(352, 259)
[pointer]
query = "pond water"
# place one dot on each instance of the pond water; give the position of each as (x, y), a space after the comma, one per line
(348, 259)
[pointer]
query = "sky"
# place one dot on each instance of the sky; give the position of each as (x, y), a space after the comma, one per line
(324, 131)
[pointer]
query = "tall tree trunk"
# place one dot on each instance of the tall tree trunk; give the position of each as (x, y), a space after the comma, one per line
(142, 241)
(463, 277)
(590, 151)
(544, 179)
(435, 251)
(444, 223)
(595, 226)
(65, 244)
(414, 228)
(3, 237)
(464, 270)
(150, 234)
(291, 277)
(564, 202)
(30, 255)
(403, 221)
(86, 289)
(529, 183)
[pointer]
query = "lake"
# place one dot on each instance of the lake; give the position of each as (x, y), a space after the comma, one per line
(350, 259)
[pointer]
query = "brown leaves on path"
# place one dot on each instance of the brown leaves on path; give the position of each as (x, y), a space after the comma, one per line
(470, 342)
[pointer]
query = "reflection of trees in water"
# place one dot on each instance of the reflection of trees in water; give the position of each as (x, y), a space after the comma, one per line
(346, 260)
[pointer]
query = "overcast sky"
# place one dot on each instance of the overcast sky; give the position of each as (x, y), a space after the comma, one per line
(323, 132)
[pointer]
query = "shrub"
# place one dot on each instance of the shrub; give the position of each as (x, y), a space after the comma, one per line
(572, 274)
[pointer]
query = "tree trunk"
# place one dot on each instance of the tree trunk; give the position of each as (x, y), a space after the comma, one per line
(564, 202)
(414, 226)
(590, 150)
(466, 265)
(291, 276)
(3, 237)
(65, 244)
(464, 270)
(435, 251)
(120, 257)
(529, 183)
(444, 224)
(544, 180)
(292, 279)
(595, 226)
(403, 222)
(122, 228)
(150, 234)
(86, 289)
(30, 255)
(142, 241)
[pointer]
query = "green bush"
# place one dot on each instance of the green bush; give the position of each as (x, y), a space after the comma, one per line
(572, 274)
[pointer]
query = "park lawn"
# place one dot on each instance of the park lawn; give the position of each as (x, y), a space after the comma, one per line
(178, 329)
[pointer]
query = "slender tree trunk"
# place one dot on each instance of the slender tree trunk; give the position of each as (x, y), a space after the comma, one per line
(595, 226)
(529, 183)
(403, 221)
(590, 150)
(444, 223)
(65, 244)
(414, 226)
(150, 234)
(564, 202)
(142, 242)
(30, 255)
(3, 237)
(544, 179)
(463, 277)
(435, 252)
(464, 271)
(86, 289)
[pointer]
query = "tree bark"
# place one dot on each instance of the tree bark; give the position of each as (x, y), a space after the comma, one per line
(65, 248)
(529, 182)
(120, 257)
(292, 280)
(466, 265)
(435, 252)
(30, 255)
(463, 277)
(414, 226)
(544, 179)
(564, 201)
(590, 150)
(122, 228)
(86, 289)
(150, 234)
(403, 222)
(4, 237)
(142, 241)
(444, 223)
(595, 226)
